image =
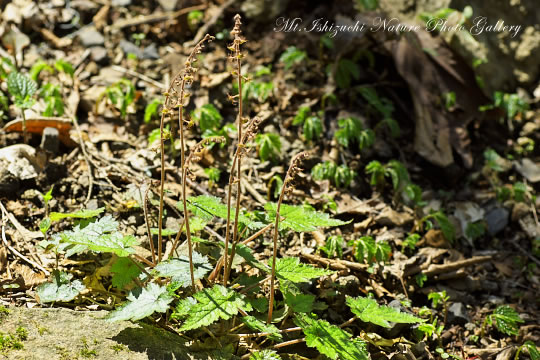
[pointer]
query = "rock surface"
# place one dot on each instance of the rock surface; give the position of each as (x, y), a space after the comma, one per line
(59, 333)
(520, 53)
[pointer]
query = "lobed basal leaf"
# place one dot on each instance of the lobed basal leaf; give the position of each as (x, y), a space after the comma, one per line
(330, 340)
(153, 298)
(292, 270)
(100, 236)
(178, 268)
(212, 304)
(206, 207)
(60, 289)
(300, 219)
(368, 310)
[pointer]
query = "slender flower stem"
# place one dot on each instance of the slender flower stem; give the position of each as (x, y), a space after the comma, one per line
(238, 56)
(291, 173)
(175, 98)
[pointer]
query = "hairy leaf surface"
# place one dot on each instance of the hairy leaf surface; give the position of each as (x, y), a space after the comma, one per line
(81, 214)
(368, 310)
(255, 324)
(60, 289)
(265, 355)
(213, 304)
(101, 236)
(125, 271)
(292, 270)
(178, 268)
(206, 207)
(330, 340)
(153, 298)
(300, 219)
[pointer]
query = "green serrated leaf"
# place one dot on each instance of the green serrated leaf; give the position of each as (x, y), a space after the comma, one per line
(301, 115)
(506, 320)
(300, 219)
(265, 355)
(292, 270)
(81, 214)
(206, 207)
(21, 87)
(178, 268)
(368, 310)
(101, 236)
(269, 146)
(153, 298)
(151, 110)
(44, 225)
(61, 289)
(125, 271)
(300, 303)
(208, 117)
(255, 324)
(330, 340)
(213, 304)
(64, 66)
(292, 56)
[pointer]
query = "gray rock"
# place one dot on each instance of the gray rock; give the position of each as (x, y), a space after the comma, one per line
(130, 48)
(98, 54)
(150, 52)
(529, 169)
(62, 333)
(49, 140)
(168, 5)
(497, 220)
(120, 3)
(457, 314)
(91, 37)
(92, 204)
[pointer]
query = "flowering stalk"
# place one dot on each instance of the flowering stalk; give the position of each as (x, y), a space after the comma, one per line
(176, 97)
(287, 188)
(237, 57)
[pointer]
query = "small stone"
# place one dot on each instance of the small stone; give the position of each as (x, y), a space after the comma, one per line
(530, 128)
(497, 220)
(12, 13)
(91, 37)
(130, 48)
(120, 3)
(457, 314)
(529, 169)
(49, 140)
(98, 54)
(92, 204)
(168, 5)
(150, 52)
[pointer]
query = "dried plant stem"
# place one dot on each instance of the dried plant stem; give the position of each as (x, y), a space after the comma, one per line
(291, 173)
(237, 56)
(161, 184)
(175, 98)
(184, 202)
(147, 221)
